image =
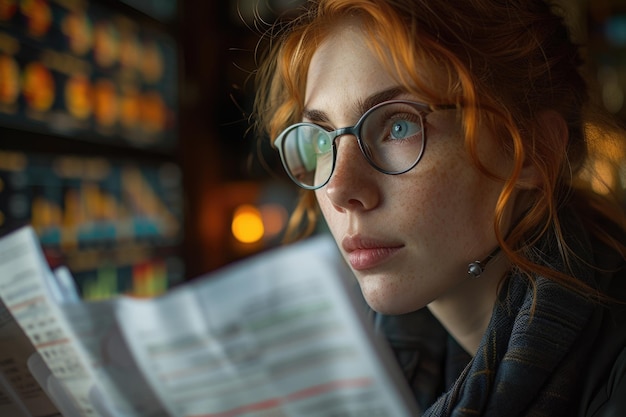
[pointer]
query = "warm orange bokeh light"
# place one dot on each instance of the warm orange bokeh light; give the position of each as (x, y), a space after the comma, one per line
(247, 225)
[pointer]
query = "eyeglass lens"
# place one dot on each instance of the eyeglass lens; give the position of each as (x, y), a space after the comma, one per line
(391, 137)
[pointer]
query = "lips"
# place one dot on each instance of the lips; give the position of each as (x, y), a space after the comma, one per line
(365, 253)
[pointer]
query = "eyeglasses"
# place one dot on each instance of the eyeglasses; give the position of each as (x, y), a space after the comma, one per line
(391, 136)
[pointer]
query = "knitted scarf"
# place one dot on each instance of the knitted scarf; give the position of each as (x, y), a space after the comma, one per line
(529, 360)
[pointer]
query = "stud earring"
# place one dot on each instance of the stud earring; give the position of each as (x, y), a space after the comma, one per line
(476, 268)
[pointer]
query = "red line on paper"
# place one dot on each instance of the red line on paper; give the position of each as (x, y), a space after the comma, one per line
(263, 405)
(26, 303)
(52, 343)
(294, 396)
(320, 389)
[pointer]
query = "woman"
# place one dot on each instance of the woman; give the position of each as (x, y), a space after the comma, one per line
(447, 146)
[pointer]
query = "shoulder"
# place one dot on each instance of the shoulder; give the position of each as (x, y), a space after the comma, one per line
(604, 391)
(610, 400)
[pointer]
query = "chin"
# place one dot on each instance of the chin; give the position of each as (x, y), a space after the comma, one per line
(390, 305)
(390, 295)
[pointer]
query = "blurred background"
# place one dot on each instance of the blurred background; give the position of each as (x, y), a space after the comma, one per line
(125, 139)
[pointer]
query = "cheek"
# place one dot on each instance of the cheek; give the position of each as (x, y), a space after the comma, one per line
(452, 202)
(428, 202)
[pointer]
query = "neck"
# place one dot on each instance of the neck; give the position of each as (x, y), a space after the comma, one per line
(466, 311)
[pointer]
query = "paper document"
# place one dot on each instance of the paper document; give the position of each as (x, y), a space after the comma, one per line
(279, 334)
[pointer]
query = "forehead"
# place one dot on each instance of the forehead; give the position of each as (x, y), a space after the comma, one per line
(344, 66)
(351, 61)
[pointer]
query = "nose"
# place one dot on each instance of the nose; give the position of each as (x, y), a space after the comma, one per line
(353, 184)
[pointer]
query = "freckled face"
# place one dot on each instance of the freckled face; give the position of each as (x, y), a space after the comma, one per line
(408, 237)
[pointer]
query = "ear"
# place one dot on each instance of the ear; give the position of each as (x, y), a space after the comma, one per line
(553, 133)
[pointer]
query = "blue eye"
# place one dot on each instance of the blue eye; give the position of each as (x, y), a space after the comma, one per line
(323, 143)
(402, 129)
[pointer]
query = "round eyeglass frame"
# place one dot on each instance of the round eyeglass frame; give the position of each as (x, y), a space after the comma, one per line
(355, 130)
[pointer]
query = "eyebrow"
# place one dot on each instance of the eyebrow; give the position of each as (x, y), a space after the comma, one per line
(361, 106)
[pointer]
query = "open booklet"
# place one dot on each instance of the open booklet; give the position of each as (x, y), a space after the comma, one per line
(282, 333)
